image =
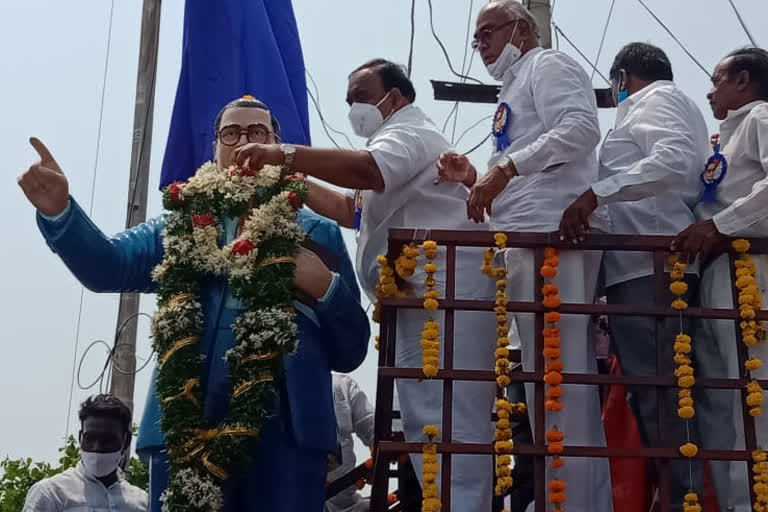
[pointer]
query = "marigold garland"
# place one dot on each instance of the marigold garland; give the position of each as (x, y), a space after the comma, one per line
(691, 502)
(406, 263)
(553, 369)
(752, 331)
(502, 436)
(760, 486)
(430, 342)
(430, 502)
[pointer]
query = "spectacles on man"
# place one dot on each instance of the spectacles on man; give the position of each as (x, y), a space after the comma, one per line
(484, 35)
(255, 133)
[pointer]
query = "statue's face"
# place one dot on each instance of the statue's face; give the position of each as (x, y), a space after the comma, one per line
(242, 118)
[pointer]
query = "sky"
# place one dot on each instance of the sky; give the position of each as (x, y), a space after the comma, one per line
(54, 56)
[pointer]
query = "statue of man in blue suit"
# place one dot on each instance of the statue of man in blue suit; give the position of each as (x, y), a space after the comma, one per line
(287, 468)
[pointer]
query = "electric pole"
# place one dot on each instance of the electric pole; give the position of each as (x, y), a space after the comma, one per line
(124, 356)
(542, 12)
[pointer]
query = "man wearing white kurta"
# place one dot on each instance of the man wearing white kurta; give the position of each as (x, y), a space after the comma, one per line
(394, 178)
(739, 98)
(546, 131)
(354, 415)
(649, 171)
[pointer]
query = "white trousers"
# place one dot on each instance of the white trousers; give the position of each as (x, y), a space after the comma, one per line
(421, 401)
(717, 292)
(588, 480)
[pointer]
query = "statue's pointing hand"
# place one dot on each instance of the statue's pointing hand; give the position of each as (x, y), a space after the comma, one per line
(44, 182)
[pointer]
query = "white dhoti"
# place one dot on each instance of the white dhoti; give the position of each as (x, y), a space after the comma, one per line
(420, 401)
(717, 292)
(588, 480)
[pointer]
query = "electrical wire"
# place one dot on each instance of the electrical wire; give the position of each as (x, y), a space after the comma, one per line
(471, 127)
(479, 144)
(413, 35)
(602, 39)
(326, 126)
(674, 38)
(558, 30)
(442, 47)
(464, 70)
(90, 212)
(106, 369)
(743, 25)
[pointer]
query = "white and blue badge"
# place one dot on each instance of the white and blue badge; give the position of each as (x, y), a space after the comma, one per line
(501, 122)
(713, 174)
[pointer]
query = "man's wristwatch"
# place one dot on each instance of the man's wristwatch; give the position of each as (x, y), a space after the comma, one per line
(505, 164)
(289, 152)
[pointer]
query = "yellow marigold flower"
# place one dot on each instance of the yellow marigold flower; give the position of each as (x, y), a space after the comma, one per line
(691, 496)
(679, 304)
(749, 340)
(755, 412)
(381, 259)
(686, 381)
(743, 272)
(432, 294)
(502, 414)
(677, 274)
(429, 245)
(683, 370)
(685, 402)
(431, 431)
(431, 324)
(682, 359)
(680, 266)
(502, 404)
(387, 271)
(430, 255)
(689, 449)
(501, 283)
(502, 362)
(753, 364)
(682, 348)
(683, 338)
(431, 305)
(746, 298)
(747, 312)
(684, 393)
(430, 267)
(502, 352)
(754, 387)
(740, 245)
(503, 471)
(430, 333)
(502, 330)
(430, 370)
(388, 289)
(672, 258)
(694, 507)
(503, 381)
(503, 446)
(432, 468)
(430, 352)
(685, 412)
(411, 251)
(500, 239)
(759, 456)
(755, 399)
(678, 288)
(745, 281)
(503, 460)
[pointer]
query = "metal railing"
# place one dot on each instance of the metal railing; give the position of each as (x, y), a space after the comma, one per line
(386, 449)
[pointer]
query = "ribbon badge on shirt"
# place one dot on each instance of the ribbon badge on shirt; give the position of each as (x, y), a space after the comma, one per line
(501, 122)
(358, 209)
(713, 173)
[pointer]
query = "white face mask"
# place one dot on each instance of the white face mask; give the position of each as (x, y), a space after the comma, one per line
(509, 55)
(366, 118)
(99, 465)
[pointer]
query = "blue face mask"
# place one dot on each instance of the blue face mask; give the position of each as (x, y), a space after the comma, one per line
(622, 95)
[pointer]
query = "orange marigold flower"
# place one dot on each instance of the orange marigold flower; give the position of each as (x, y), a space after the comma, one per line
(553, 378)
(550, 331)
(554, 405)
(551, 301)
(555, 448)
(552, 342)
(557, 497)
(554, 366)
(552, 317)
(554, 392)
(554, 435)
(558, 462)
(557, 486)
(551, 353)
(548, 272)
(549, 289)
(689, 449)
(552, 261)
(550, 251)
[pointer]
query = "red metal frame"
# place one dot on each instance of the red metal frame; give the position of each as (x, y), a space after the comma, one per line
(387, 450)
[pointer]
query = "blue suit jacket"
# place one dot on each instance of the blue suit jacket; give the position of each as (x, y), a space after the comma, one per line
(332, 336)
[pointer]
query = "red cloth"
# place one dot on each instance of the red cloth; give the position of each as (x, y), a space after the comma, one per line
(629, 476)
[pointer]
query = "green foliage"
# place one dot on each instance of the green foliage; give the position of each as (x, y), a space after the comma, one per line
(20, 474)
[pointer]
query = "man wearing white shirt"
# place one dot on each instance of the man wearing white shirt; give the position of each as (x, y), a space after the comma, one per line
(546, 130)
(354, 415)
(649, 169)
(394, 182)
(739, 98)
